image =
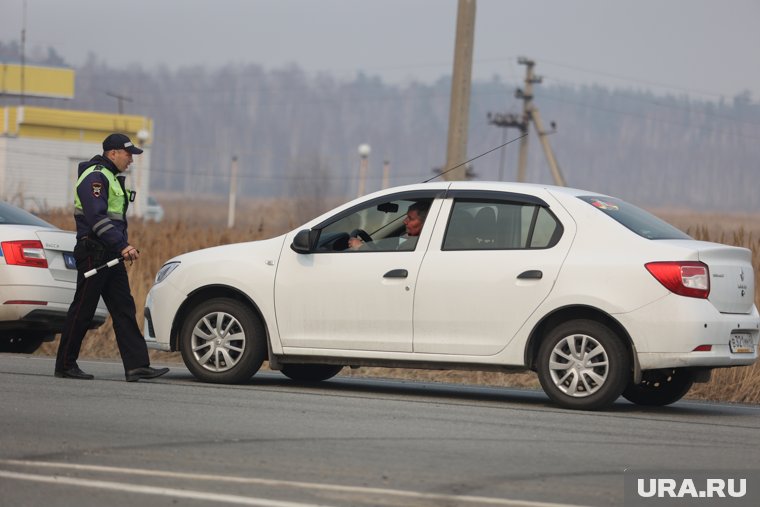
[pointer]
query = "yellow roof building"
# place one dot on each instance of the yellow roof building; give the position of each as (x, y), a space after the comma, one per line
(40, 147)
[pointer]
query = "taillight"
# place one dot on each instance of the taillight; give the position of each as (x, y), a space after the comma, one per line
(691, 279)
(24, 253)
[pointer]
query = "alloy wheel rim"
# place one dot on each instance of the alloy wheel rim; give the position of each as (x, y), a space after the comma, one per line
(218, 342)
(579, 365)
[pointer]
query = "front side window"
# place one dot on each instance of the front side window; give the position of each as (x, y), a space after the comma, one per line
(384, 226)
(499, 225)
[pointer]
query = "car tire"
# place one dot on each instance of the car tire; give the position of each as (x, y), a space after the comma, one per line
(222, 341)
(21, 343)
(310, 372)
(660, 387)
(582, 364)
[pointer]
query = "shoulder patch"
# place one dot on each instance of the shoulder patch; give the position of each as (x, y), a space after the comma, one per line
(97, 188)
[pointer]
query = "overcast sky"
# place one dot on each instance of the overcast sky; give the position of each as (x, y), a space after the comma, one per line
(706, 48)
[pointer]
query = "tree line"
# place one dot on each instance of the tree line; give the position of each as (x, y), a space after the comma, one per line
(296, 134)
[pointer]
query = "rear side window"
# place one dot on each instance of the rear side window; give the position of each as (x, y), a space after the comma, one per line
(499, 225)
(636, 219)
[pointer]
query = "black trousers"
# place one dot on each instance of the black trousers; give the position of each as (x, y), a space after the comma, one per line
(113, 285)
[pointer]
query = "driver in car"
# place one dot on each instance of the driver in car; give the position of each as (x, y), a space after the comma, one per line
(415, 219)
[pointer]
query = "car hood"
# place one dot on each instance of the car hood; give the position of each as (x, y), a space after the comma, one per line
(268, 249)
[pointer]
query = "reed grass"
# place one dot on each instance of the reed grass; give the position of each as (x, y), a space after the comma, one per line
(200, 222)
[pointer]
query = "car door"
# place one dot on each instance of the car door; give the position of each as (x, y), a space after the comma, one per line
(486, 271)
(337, 298)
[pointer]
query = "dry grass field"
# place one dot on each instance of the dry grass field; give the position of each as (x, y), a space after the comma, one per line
(192, 224)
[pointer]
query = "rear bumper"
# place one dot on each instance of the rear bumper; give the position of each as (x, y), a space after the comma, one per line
(683, 324)
(48, 320)
(719, 357)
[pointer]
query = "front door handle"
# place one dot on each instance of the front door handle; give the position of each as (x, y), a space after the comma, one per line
(533, 274)
(396, 273)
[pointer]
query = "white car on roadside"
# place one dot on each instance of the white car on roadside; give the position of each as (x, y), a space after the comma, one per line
(153, 210)
(597, 296)
(37, 280)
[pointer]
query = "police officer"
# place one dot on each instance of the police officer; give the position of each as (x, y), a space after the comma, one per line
(101, 202)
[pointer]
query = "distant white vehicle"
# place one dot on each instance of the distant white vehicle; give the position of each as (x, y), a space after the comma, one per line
(153, 210)
(597, 296)
(38, 276)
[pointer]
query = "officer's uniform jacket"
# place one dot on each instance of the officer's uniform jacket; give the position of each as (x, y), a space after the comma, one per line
(100, 204)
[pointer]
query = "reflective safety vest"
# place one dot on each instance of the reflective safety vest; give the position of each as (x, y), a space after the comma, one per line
(117, 200)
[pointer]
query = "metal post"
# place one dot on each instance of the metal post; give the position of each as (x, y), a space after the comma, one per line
(364, 150)
(233, 193)
(142, 138)
(386, 174)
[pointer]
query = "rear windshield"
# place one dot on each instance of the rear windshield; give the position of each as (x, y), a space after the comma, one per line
(636, 219)
(16, 216)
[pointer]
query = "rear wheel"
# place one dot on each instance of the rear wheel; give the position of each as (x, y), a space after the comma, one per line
(582, 364)
(222, 341)
(660, 387)
(310, 372)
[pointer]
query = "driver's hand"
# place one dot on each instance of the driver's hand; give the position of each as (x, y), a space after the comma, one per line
(355, 243)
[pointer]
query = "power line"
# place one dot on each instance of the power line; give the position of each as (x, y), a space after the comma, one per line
(634, 79)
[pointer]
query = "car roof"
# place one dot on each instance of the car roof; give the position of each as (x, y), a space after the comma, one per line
(504, 186)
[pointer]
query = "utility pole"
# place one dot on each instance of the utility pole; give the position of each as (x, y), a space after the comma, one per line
(522, 122)
(459, 110)
(527, 97)
(538, 124)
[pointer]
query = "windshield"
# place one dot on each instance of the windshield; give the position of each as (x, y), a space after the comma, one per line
(16, 216)
(636, 219)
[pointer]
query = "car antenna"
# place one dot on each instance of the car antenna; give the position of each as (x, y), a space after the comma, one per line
(475, 158)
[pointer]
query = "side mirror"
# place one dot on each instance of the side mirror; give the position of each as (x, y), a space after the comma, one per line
(303, 241)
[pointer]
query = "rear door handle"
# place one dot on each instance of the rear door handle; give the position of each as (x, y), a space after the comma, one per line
(533, 274)
(396, 273)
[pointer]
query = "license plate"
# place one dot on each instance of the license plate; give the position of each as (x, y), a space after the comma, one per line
(741, 343)
(69, 260)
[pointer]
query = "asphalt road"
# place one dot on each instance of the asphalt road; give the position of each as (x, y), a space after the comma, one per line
(346, 442)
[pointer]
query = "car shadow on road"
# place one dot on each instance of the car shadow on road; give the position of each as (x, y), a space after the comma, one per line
(464, 394)
(517, 398)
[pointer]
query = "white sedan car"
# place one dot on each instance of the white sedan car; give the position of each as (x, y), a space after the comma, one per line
(37, 280)
(599, 297)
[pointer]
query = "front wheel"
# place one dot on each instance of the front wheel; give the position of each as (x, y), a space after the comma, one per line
(310, 372)
(660, 387)
(222, 341)
(582, 364)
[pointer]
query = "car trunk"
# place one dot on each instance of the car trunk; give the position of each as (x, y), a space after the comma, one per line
(58, 245)
(732, 278)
